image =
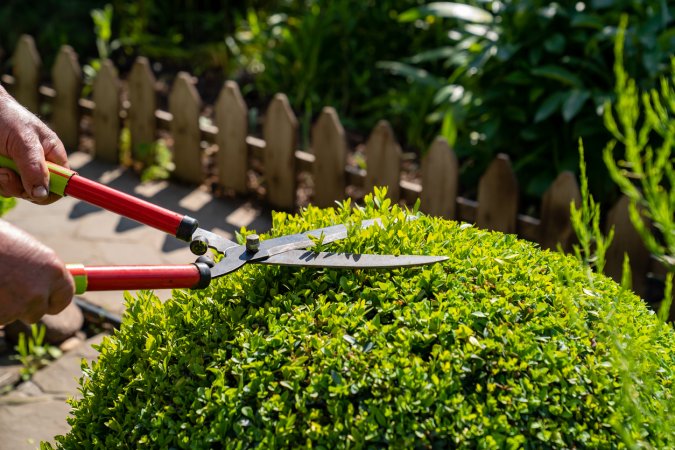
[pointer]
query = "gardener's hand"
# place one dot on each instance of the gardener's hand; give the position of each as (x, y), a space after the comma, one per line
(29, 142)
(33, 280)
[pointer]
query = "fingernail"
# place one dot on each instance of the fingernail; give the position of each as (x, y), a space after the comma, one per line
(39, 192)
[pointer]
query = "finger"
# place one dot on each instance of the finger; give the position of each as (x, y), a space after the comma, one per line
(51, 198)
(32, 167)
(10, 184)
(62, 294)
(54, 149)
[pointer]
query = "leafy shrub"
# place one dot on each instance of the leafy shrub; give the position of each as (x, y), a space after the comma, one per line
(325, 54)
(193, 39)
(643, 118)
(530, 77)
(52, 23)
(502, 346)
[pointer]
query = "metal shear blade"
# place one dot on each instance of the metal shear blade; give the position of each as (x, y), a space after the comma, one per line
(305, 258)
(286, 251)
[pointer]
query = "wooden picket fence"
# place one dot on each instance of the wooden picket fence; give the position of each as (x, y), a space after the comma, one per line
(495, 208)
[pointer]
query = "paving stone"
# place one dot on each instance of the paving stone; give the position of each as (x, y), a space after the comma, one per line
(27, 389)
(70, 344)
(23, 425)
(9, 374)
(61, 376)
(243, 216)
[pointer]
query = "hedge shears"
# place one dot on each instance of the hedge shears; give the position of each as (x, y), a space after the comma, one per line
(284, 250)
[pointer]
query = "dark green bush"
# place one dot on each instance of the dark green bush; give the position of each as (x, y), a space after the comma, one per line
(502, 346)
(325, 54)
(52, 23)
(530, 77)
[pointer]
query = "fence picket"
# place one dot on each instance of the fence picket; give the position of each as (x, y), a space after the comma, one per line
(626, 241)
(383, 160)
(556, 226)
(440, 179)
(67, 80)
(232, 122)
(330, 150)
(184, 105)
(26, 66)
(280, 132)
(143, 103)
(106, 117)
(498, 197)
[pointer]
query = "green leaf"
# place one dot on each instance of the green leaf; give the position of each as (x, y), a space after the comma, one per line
(555, 44)
(415, 74)
(557, 73)
(447, 10)
(574, 102)
(583, 20)
(449, 129)
(550, 105)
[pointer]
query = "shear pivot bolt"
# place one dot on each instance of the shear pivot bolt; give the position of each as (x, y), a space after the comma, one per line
(199, 245)
(252, 242)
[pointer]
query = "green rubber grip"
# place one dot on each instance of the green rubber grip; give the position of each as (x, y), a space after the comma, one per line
(79, 277)
(58, 176)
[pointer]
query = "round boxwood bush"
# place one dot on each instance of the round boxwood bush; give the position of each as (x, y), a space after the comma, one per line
(502, 346)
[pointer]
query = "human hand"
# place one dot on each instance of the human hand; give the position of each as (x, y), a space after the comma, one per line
(29, 142)
(33, 280)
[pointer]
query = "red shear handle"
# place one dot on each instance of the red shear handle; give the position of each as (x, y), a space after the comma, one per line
(122, 278)
(129, 206)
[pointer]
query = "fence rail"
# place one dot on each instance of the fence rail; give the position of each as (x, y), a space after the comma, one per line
(496, 207)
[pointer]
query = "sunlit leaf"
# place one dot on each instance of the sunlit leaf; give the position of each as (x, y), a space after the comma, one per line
(447, 10)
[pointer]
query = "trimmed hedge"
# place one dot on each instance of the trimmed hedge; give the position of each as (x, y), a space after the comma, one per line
(502, 346)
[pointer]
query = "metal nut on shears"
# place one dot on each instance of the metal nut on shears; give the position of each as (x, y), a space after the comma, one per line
(199, 245)
(252, 243)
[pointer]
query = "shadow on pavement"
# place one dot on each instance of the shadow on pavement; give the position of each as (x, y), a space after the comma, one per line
(173, 196)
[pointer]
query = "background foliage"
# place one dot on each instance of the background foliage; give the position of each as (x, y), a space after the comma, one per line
(530, 77)
(523, 77)
(326, 53)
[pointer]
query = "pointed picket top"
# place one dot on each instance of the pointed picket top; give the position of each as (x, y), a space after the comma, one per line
(556, 225)
(26, 66)
(185, 105)
(67, 79)
(232, 121)
(440, 180)
(281, 133)
(498, 197)
(383, 160)
(329, 145)
(106, 117)
(626, 241)
(143, 103)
